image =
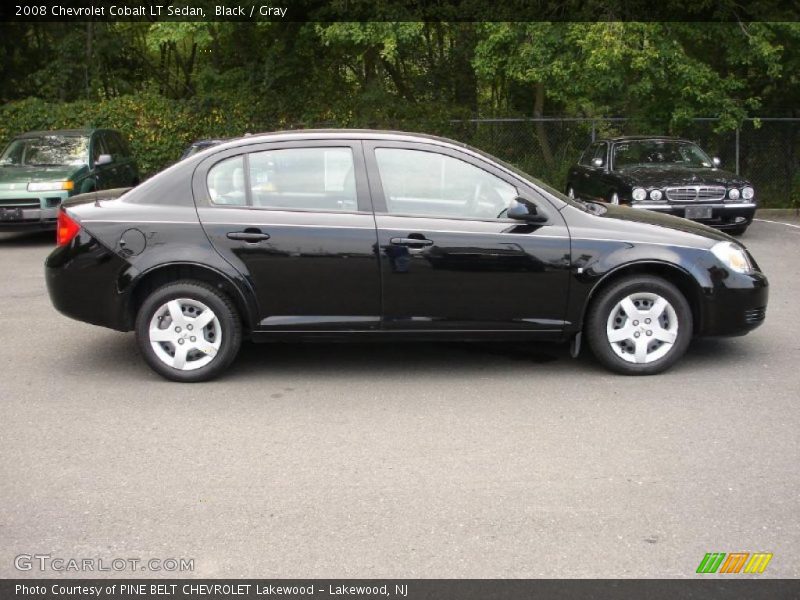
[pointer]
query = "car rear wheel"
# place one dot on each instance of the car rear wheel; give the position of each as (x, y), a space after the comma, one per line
(640, 325)
(188, 331)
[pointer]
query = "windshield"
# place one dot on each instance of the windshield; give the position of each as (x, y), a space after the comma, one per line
(47, 150)
(592, 207)
(643, 153)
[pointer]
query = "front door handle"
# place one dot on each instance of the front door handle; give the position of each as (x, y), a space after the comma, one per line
(411, 242)
(252, 236)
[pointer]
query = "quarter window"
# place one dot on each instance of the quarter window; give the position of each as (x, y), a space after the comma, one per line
(226, 182)
(417, 182)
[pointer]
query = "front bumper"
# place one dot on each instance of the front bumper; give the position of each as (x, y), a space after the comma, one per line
(735, 305)
(31, 219)
(724, 215)
(21, 210)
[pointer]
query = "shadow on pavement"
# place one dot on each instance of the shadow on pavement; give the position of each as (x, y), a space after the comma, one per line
(22, 239)
(409, 357)
(118, 354)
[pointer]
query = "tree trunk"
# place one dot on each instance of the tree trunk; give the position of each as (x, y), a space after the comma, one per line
(370, 66)
(541, 133)
(397, 79)
(465, 82)
(88, 61)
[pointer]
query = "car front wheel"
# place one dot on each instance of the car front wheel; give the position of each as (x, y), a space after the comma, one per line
(639, 325)
(188, 331)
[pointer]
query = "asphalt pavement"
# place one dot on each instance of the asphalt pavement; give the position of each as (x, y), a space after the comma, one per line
(419, 460)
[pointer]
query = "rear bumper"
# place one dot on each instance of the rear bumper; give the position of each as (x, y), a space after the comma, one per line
(724, 215)
(82, 281)
(736, 305)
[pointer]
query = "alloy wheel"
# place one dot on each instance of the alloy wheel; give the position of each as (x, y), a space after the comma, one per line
(642, 328)
(185, 334)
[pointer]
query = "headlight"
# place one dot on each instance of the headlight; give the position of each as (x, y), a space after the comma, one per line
(656, 195)
(732, 256)
(733, 194)
(50, 186)
(748, 193)
(639, 194)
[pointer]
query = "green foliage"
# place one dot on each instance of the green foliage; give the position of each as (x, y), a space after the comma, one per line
(158, 129)
(166, 84)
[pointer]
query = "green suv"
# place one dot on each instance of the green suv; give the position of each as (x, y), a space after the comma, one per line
(40, 169)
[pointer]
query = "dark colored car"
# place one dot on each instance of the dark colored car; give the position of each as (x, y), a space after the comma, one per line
(199, 146)
(381, 235)
(40, 169)
(663, 174)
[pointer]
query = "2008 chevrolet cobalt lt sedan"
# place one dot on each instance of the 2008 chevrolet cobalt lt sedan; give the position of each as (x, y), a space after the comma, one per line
(395, 236)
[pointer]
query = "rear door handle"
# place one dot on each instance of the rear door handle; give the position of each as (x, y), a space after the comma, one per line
(251, 236)
(411, 242)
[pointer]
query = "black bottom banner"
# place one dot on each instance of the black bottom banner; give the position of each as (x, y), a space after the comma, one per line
(399, 589)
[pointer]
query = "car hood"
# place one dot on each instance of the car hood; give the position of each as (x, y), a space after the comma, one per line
(655, 227)
(11, 176)
(675, 176)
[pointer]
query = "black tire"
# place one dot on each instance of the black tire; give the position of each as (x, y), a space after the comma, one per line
(605, 302)
(219, 303)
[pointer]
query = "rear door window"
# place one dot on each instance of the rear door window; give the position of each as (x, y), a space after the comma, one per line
(304, 179)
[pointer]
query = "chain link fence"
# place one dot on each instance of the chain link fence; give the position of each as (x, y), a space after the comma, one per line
(764, 151)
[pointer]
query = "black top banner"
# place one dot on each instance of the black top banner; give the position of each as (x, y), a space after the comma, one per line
(401, 10)
(400, 589)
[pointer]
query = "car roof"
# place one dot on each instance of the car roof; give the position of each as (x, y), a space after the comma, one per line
(366, 134)
(67, 132)
(354, 134)
(634, 138)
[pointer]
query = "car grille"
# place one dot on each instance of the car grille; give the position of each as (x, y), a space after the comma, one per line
(19, 202)
(695, 193)
(755, 315)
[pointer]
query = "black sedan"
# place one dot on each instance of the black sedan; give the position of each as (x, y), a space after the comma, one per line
(377, 235)
(667, 175)
(199, 146)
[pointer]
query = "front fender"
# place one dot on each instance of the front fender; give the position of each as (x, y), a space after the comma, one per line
(597, 262)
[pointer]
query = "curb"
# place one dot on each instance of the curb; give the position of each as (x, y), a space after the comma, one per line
(785, 213)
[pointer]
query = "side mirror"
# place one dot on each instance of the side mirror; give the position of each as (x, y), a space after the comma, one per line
(597, 162)
(717, 162)
(524, 210)
(103, 159)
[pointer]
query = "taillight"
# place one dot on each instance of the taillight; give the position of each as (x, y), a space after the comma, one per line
(66, 228)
